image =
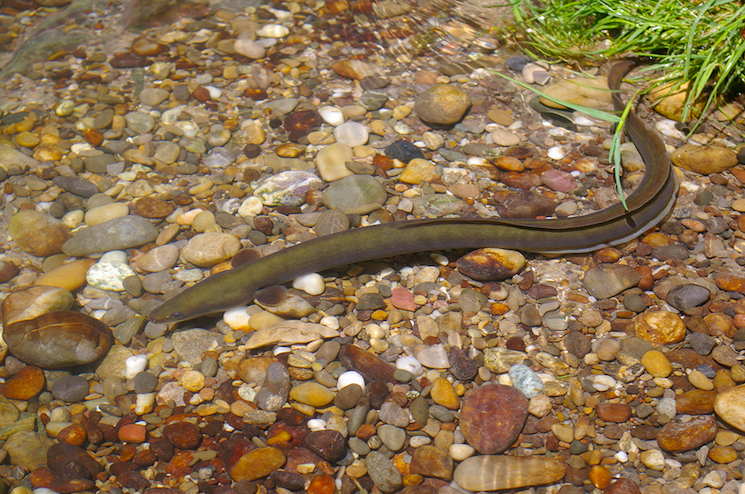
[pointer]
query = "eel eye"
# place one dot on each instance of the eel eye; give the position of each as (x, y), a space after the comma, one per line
(176, 315)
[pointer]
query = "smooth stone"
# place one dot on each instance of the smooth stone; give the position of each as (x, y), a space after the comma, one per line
(275, 388)
(730, 406)
(433, 357)
(403, 151)
(59, 339)
(442, 104)
(331, 161)
(9, 413)
(499, 360)
(109, 276)
(431, 462)
(289, 332)
(356, 194)
(493, 473)
(70, 388)
(608, 280)
(684, 297)
(657, 364)
(28, 449)
(393, 437)
(208, 249)
(418, 171)
(704, 159)
(24, 385)
(583, 91)
(491, 264)
(328, 444)
(313, 394)
(117, 234)
(153, 96)
(351, 133)
(167, 152)
(38, 233)
(34, 301)
(492, 417)
(287, 188)
(383, 473)
(393, 414)
(190, 344)
(678, 437)
(256, 464)
(249, 48)
(503, 137)
(443, 394)
(158, 259)
(659, 327)
(527, 381)
(348, 396)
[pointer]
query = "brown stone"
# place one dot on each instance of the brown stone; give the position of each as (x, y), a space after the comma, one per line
(38, 233)
(613, 412)
(678, 437)
(430, 461)
(26, 384)
(622, 486)
(257, 464)
(600, 476)
(524, 204)
(183, 435)
(153, 207)
(492, 417)
(370, 366)
(73, 434)
(328, 444)
(723, 454)
(59, 339)
(46, 478)
(695, 402)
(659, 327)
(492, 473)
(491, 264)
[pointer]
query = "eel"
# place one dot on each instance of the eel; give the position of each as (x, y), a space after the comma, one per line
(646, 206)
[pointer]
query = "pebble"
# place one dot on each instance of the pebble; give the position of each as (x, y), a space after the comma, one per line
(208, 249)
(492, 473)
(116, 234)
(383, 473)
(492, 417)
(443, 104)
(38, 233)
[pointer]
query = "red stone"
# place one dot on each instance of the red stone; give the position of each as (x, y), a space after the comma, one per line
(152, 207)
(183, 435)
(132, 433)
(492, 417)
(678, 437)
(622, 486)
(24, 385)
(613, 412)
(370, 366)
(695, 402)
(401, 298)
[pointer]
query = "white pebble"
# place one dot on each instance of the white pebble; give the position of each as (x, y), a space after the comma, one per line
(279, 350)
(249, 48)
(134, 365)
(330, 322)
(621, 456)
(273, 31)
(251, 206)
(460, 452)
(312, 284)
(583, 121)
(375, 331)
(73, 219)
(603, 382)
(667, 127)
(350, 377)
(410, 364)
(419, 441)
(555, 153)
(236, 318)
(144, 403)
(331, 115)
(114, 256)
(352, 134)
(215, 93)
(439, 259)
(316, 424)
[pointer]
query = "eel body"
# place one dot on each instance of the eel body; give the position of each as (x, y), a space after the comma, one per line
(647, 205)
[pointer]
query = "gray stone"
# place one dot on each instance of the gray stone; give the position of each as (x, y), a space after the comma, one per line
(192, 343)
(117, 234)
(70, 389)
(392, 437)
(358, 194)
(276, 388)
(607, 280)
(383, 473)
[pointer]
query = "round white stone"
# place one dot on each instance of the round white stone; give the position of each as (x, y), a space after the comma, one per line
(134, 365)
(249, 48)
(312, 284)
(460, 452)
(410, 364)
(351, 133)
(556, 153)
(603, 382)
(330, 322)
(350, 377)
(316, 424)
(332, 115)
(114, 256)
(251, 206)
(273, 31)
(237, 318)
(144, 403)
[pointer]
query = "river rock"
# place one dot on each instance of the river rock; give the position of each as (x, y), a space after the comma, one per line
(38, 233)
(494, 473)
(289, 332)
(730, 406)
(355, 194)
(659, 327)
(275, 388)
(491, 264)
(608, 280)
(117, 234)
(370, 366)
(442, 104)
(430, 461)
(383, 473)
(59, 339)
(207, 249)
(28, 449)
(492, 417)
(33, 302)
(677, 437)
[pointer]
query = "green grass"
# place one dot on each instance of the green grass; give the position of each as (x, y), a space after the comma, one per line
(702, 44)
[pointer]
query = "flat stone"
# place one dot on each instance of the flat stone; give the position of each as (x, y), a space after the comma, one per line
(38, 233)
(492, 417)
(117, 234)
(676, 437)
(493, 473)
